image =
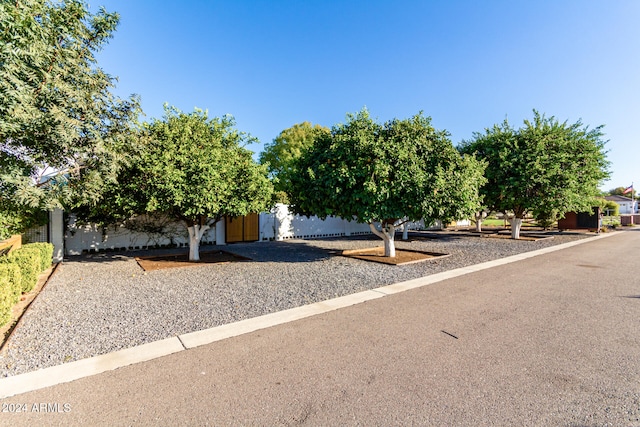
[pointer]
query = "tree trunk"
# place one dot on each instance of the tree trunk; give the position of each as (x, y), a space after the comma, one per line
(390, 244)
(516, 224)
(405, 231)
(479, 222)
(196, 232)
(387, 234)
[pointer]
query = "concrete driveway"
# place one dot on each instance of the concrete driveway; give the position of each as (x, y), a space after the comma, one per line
(550, 340)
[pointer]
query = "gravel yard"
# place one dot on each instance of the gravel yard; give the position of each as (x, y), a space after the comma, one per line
(99, 303)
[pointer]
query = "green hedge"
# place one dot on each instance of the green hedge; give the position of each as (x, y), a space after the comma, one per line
(6, 300)
(29, 262)
(19, 273)
(46, 253)
(10, 289)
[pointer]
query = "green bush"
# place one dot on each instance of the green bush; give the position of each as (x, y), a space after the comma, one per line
(12, 273)
(19, 273)
(10, 289)
(29, 261)
(46, 253)
(6, 300)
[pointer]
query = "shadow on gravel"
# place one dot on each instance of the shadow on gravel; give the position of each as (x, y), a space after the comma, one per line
(99, 257)
(286, 252)
(298, 251)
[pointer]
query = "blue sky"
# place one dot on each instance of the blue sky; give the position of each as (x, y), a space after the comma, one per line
(467, 64)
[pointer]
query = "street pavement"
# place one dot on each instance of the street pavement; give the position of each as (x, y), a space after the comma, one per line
(552, 340)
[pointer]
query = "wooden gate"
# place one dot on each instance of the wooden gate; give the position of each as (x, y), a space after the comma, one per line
(242, 228)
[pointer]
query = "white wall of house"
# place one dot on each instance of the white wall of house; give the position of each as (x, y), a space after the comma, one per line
(626, 205)
(627, 208)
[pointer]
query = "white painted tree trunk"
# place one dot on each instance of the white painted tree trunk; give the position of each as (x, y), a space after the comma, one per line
(516, 224)
(195, 235)
(479, 221)
(405, 231)
(387, 234)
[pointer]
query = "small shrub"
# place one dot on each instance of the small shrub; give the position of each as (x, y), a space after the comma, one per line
(46, 253)
(6, 300)
(29, 262)
(13, 274)
(10, 290)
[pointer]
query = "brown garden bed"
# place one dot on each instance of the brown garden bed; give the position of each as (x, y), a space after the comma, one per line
(403, 256)
(159, 262)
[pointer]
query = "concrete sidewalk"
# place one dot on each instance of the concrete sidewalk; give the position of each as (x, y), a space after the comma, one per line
(550, 340)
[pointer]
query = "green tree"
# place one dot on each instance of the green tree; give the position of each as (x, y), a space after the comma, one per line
(609, 207)
(189, 168)
(404, 170)
(546, 167)
(281, 153)
(61, 128)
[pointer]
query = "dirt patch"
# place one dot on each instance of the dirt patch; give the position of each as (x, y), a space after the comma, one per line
(403, 256)
(159, 262)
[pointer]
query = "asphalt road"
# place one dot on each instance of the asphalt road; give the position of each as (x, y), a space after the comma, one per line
(548, 341)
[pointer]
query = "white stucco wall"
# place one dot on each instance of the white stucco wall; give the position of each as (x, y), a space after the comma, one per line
(89, 238)
(279, 224)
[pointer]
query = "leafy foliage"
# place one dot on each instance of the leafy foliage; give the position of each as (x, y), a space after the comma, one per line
(401, 170)
(61, 128)
(189, 168)
(46, 253)
(10, 289)
(279, 155)
(198, 168)
(546, 167)
(15, 219)
(609, 207)
(29, 261)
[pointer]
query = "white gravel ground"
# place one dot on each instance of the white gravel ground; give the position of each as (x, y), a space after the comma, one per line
(100, 303)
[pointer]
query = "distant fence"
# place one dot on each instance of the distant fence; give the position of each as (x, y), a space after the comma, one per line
(629, 219)
(11, 244)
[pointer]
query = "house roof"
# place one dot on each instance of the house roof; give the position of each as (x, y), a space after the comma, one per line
(618, 199)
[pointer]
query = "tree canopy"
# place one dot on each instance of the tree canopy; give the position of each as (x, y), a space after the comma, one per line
(189, 168)
(60, 125)
(545, 167)
(609, 207)
(385, 173)
(281, 153)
